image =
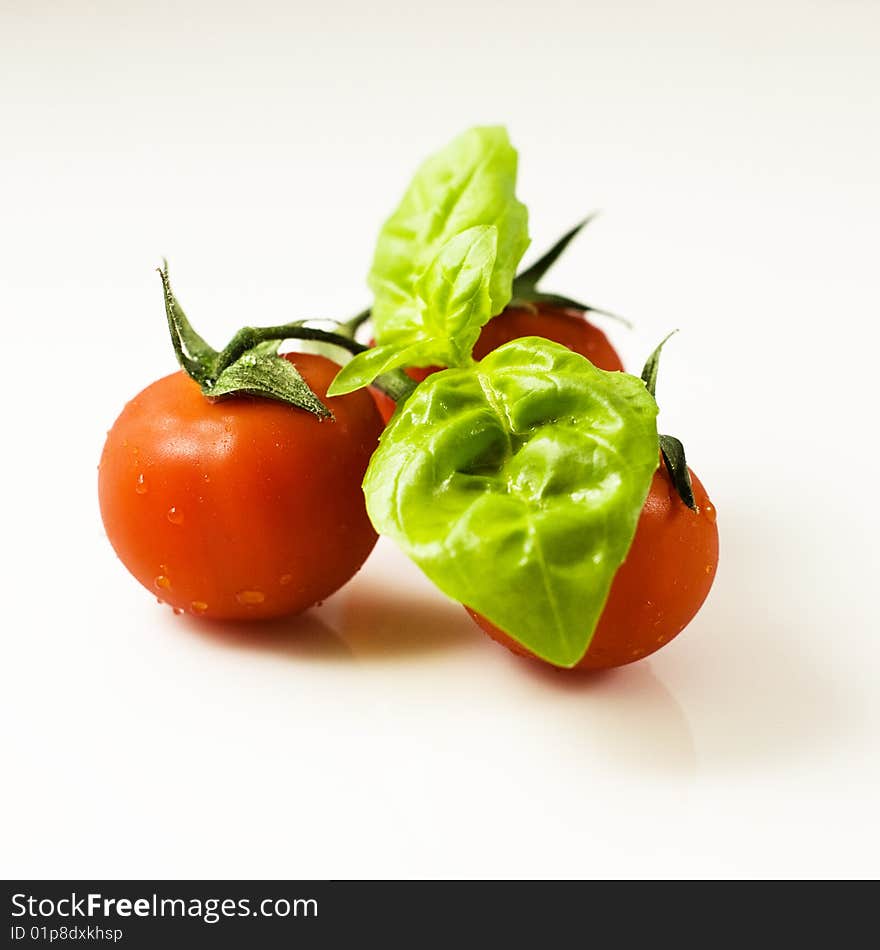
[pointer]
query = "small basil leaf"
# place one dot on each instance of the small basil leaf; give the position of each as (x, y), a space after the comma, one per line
(470, 182)
(455, 303)
(259, 372)
(455, 292)
(516, 485)
(362, 369)
(195, 356)
(676, 464)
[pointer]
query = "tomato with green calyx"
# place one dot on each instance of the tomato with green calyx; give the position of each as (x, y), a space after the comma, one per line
(241, 507)
(668, 570)
(561, 325)
(232, 490)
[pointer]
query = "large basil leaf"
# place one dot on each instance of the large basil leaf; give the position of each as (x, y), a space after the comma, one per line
(470, 182)
(454, 303)
(516, 485)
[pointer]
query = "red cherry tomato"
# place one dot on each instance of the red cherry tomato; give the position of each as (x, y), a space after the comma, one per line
(659, 587)
(568, 327)
(242, 507)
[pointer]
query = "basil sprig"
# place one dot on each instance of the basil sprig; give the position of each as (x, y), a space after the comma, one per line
(516, 485)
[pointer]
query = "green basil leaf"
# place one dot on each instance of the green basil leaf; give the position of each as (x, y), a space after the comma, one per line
(454, 303)
(470, 182)
(455, 292)
(516, 485)
(259, 372)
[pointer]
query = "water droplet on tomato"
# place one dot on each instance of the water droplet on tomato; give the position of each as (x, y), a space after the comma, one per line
(175, 515)
(163, 582)
(198, 607)
(140, 486)
(285, 579)
(250, 598)
(177, 611)
(709, 509)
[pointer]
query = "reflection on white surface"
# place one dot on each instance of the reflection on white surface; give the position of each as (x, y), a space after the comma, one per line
(626, 718)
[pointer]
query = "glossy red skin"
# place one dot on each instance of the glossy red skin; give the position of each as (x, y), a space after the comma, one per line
(568, 327)
(205, 501)
(660, 586)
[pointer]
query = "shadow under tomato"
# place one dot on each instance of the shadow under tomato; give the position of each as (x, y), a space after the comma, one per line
(626, 715)
(301, 637)
(383, 626)
(756, 700)
(758, 694)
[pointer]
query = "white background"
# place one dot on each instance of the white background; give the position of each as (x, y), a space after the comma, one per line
(734, 150)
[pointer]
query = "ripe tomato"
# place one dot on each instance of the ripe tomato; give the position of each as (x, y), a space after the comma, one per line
(242, 507)
(568, 327)
(659, 587)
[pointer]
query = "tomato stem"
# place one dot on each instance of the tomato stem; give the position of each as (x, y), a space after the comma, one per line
(250, 364)
(351, 327)
(248, 337)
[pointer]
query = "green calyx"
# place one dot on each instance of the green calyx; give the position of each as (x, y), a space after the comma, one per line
(249, 364)
(525, 286)
(671, 448)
